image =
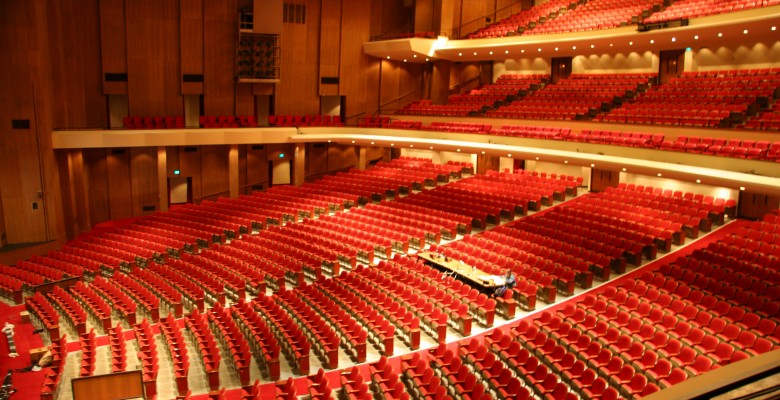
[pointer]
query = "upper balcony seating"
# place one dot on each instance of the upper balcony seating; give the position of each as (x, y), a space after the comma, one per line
(701, 99)
(136, 122)
(305, 120)
(506, 88)
(227, 121)
(767, 120)
(518, 23)
(581, 96)
(597, 14)
(688, 9)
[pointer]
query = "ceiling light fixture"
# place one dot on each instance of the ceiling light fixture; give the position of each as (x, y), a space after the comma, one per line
(460, 54)
(659, 174)
(698, 181)
(720, 34)
(593, 46)
(696, 37)
(458, 150)
(624, 169)
(506, 51)
(674, 39)
(509, 155)
(742, 188)
(388, 57)
(652, 41)
(745, 32)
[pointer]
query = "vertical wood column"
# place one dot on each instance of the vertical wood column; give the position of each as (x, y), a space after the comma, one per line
(299, 164)
(191, 40)
(113, 44)
(330, 46)
(361, 157)
(162, 177)
(3, 238)
(233, 170)
(79, 220)
(440, 82)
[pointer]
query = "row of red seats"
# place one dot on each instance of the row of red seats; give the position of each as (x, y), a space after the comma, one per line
(519, 22)
(69, 269)
(177, 352)
(322, 336)
(69, 307)
(166, 293)
(42, 311)
(213, 286)
(261, 339)
(118, 349)
(138, 122)
(597, 15)
(293, 259)
(228, 333)
(11, 288)
(305, 120)
(292, 340)
(93, 303)
(191, 293)
(687, 9)
(46, 272)
(237, 262)
(232, 277)
(147, 355)
(197, 326)
(53, 374)
(140, 294)
(227, 121)
(722, 147)
(120, 302)
(27, 278)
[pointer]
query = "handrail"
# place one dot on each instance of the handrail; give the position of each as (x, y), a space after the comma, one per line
(460, 84)
(353, 116)
(381, 106)
(456, 31)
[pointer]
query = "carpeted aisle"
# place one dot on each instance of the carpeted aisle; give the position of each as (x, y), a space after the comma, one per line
(27, 384)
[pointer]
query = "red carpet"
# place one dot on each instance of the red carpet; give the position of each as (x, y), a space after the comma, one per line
(28, 384)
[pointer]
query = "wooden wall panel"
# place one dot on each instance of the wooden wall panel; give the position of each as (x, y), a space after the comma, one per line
(220, 19)
(75, 192)
(400, 83)
(120, 192)
(245, 99)
(174, 101)
(298, 91)
(113, 43)
(143, 167)
(424, 15)
(74, 34)
(330, 43)
(268, 16)
(316, 158)
(341, 156)
(191, 43)
(214, 172)
(256, 167)
(190, 165)
(391, 17)
(359, 72)
(472, 15)
(96, 169)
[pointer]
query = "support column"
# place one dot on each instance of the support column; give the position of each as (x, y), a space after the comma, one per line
(440, 82)
(361, 157)
(233, 170)
(299, 164)
(162, 178)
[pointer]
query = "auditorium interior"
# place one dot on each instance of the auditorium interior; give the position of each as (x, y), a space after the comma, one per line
(213, 199)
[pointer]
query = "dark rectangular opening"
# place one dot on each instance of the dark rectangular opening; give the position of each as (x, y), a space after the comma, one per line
(20, 123)
(257, 147)
(192, 78)
(115, 77)
(148, 208)
(190, 149)
(329, 80)
(118, 152)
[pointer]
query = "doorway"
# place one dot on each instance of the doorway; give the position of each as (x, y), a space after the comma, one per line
(179, 190)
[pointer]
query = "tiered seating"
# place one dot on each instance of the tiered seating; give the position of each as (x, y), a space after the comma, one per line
(103, 251)
(628, 139)
(228, 333)
(139, 122)
(119, 301)
(177, 352)
(581, 96)
(334, 299)
(386, 382)
(722, 147)
(440, 301)
(477, 101)
(43, 313)
(458, 127)
(598, 14)
(166, 293)
(197, 325)
(28, 278)
(234, 278)
(767, 120)
(375, 121)
(518, 23)
(687, 9)
(142, 296)
(227, 121)
(319, 386)
(88, 351)
(147, 354)
(293, 341)
(36, 273)
(71, 268)
(265, 347)
(323, 337)
(374, 289)
(91, 302)
(282, 250)
(51, 382)
(11, 288)
(305, 120)
(535, 132)
(118, 349)
(68, 307)
(200, 272)
(704, 99)
(191, 293)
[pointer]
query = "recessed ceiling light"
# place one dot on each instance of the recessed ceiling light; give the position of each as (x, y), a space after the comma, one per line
(491, 53)
(630, 43)
(593, 165)
(475, 53)
(566, 161)
(426, 60)
(624, 169)
(698, 181)
(659, 174)
(696, 37)
(745, 32)
(483, 152)
(415, 56)
(404, 60)
(522, 51)
(458, 150)
(411, 145)
(509, 155)
(674, 39)
(556, 49)
(774, 28)
(539, 49)
(574, 47)
(328, 141)
(392, 144)
(652, 41)
(507, 51)
(593, 46)
(610, 45)
(388, 57)
(742, 188)
(431, 147)
(353, 141)
(460, 54)
(537, 158)
(720, 34)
